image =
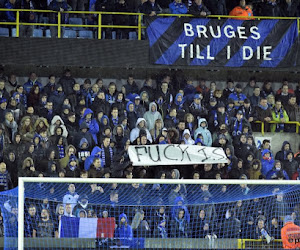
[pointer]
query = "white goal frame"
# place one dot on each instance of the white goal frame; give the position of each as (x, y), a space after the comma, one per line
(23, 180)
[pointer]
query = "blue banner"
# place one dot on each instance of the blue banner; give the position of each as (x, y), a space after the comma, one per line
(223, 43)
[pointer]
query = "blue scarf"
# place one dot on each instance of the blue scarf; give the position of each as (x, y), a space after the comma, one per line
(103, 155)
(279, 114)
(162, 232)
(61, 151)
(181, 224)
(238, 129)
(262, 107)
(1, 142)
(72, 168)
(115, 121)
(216, 123)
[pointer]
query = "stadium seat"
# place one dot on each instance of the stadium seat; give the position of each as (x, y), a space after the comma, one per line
(37, 33)
(48, 33)
(86, 34)
(70, 34)
(75, 20)
(132, 35)
(13, 32)
(4, 32)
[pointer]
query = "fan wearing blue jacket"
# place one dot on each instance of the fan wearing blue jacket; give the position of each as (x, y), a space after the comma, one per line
(124, 231)
(91, 122)
(277, 171)
(177, 7)
(267, 161)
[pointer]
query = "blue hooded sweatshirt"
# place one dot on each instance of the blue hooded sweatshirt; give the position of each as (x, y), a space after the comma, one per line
(266, 164)
(93, 125)
(96, 152)
(124, 232)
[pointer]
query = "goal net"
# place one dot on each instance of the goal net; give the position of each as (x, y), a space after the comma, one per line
(73, 213)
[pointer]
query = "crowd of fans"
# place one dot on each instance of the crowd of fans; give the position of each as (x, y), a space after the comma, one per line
(68, 129)
(199, 8)
(65, 128)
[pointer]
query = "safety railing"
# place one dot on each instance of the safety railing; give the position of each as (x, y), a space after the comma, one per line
(274, 122)
(259, 244)
(100, 26)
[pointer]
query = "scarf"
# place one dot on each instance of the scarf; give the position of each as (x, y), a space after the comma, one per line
(238, 127)
(103, 155)
(162, 232)
(72, 168)
(61, 151)
(181, 224)
(197, 106)
(4, 179)
(1, 142)
(115, 121)
(216, 122)
(262, 107)
(246, 113)
(279, 114)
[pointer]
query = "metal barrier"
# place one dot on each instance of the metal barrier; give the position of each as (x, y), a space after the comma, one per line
(99, 26)
(274, 122)
(259, 244)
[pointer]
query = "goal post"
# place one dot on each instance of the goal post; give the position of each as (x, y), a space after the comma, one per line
(259, 188)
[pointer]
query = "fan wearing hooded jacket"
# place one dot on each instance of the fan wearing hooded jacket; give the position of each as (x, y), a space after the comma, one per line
(91, 122)
(152, 115)
(140, 124)
(267, 161)
(124, 231)
(203, 130)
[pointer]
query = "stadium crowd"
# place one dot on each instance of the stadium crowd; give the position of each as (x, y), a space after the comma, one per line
(198, 8)
(68, 129)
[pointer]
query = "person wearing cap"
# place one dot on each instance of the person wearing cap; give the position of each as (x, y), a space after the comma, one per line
(290, 234)
(237, 124)
(247, 110)
(219, 117)
(139, 107)
(237, 96)
(196, 108)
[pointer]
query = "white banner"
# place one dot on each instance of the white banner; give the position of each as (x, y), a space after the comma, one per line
(175, 154)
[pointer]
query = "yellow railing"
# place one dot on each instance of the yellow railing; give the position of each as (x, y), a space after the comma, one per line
(274, 122)
(259, 244)
(99, 26)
